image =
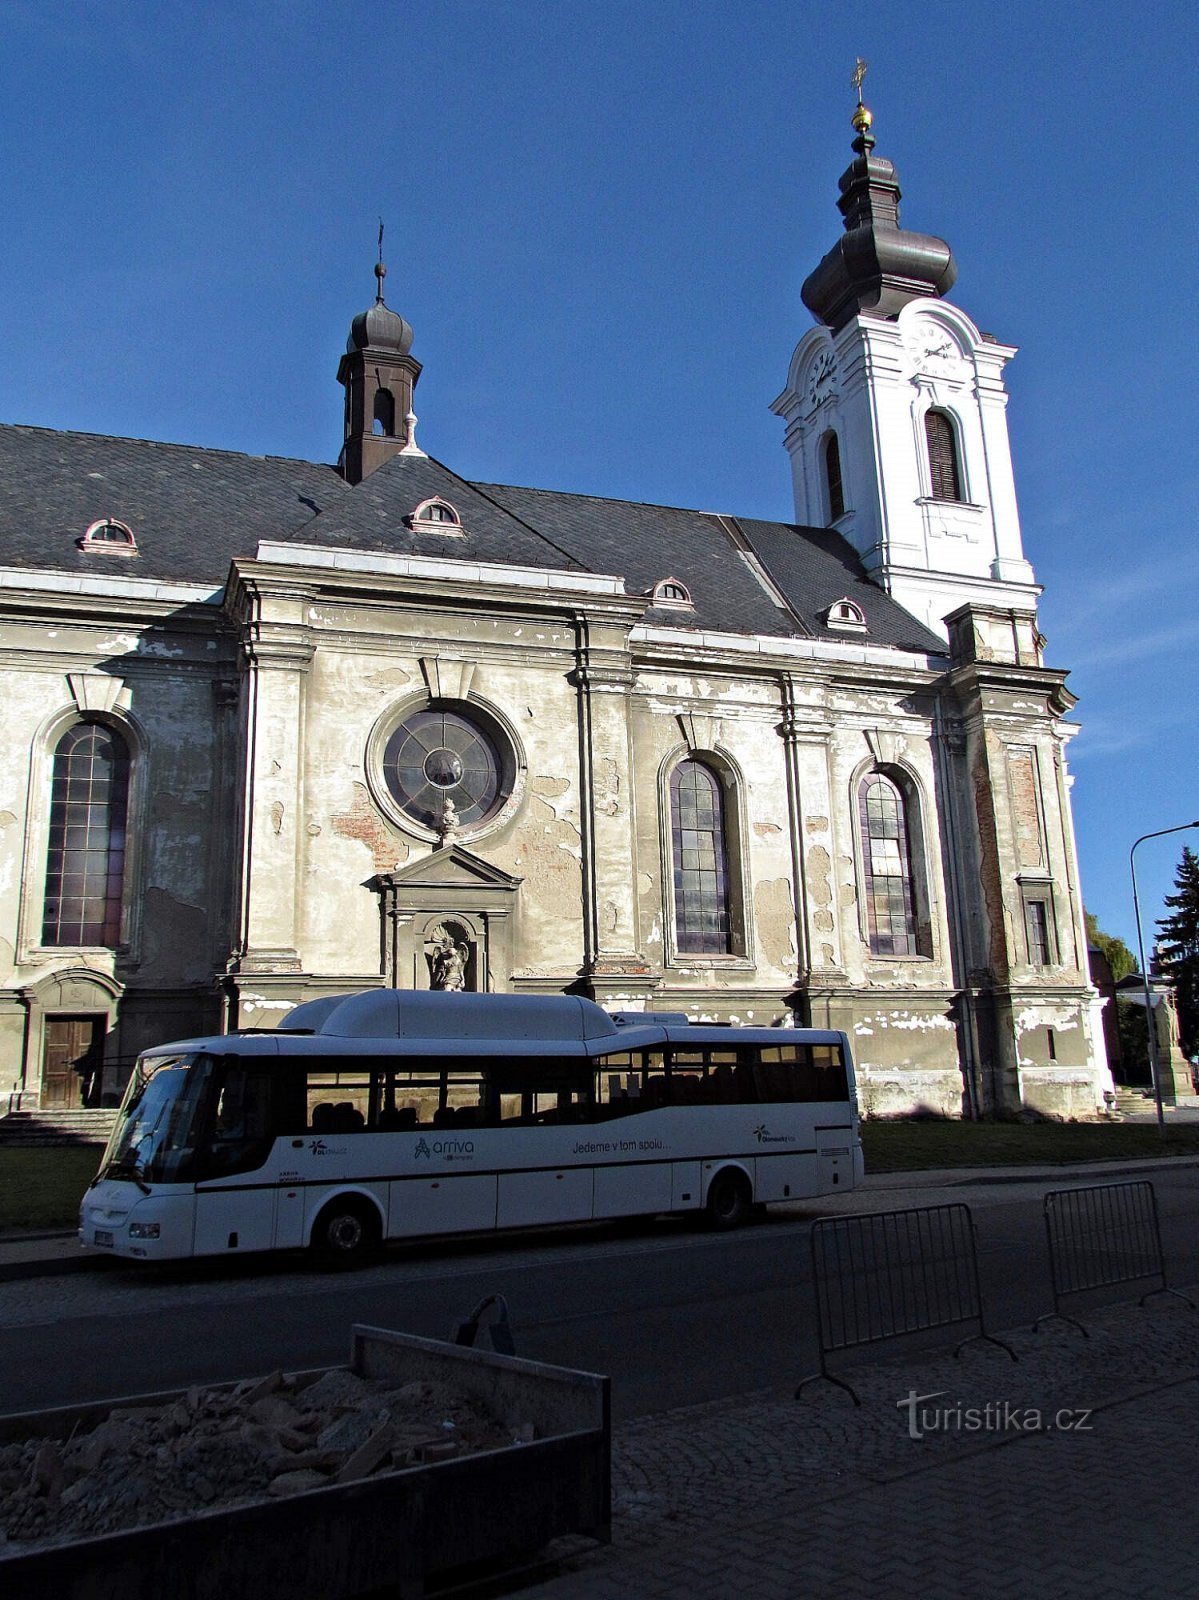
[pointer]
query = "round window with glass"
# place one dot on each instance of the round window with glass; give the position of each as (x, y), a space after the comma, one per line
(437, 756)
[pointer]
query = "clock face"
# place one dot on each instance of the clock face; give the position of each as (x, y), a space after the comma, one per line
(435, 756)
(820, 379)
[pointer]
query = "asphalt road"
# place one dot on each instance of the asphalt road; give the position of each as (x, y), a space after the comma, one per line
(673, 1314)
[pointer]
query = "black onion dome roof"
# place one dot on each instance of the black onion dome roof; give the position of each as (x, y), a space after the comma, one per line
(379, 329)
(876, 266)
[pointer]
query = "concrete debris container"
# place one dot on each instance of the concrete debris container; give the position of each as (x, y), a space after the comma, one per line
(403, 1528)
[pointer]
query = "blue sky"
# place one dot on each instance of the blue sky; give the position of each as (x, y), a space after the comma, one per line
(599, 214)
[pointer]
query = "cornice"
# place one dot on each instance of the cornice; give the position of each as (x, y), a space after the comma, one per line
(458, 589)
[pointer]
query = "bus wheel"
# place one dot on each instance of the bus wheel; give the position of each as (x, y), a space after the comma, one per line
(729, 1201)
(346, 1233)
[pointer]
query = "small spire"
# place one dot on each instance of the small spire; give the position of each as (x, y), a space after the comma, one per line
(380, 269)
(411, 448)
(862, 117)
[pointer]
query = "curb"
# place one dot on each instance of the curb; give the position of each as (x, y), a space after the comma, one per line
(941, 1178)
(52, 1267)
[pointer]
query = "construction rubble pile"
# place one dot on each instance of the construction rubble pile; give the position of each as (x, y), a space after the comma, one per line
(216, 1448)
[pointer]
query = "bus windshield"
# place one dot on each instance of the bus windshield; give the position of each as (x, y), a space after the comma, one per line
(155, 1136)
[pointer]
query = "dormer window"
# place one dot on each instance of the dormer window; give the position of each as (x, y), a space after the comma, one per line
(110, 538)
(435, 516)
(670, 592)
(845, 614)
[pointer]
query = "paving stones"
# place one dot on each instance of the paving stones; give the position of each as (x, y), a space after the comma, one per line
(818, 1498)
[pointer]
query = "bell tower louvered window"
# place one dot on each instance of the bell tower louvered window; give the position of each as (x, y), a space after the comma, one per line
(85, 864)
(945, 478)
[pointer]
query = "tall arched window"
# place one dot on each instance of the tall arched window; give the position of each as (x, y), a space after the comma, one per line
(887, 867)
(703, 924)
(832, 476)
(945, 478)
(85, 862)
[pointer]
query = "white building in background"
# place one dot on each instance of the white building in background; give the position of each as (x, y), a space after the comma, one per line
(278, 729)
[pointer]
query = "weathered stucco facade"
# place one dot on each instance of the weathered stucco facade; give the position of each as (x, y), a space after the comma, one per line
(861, 722)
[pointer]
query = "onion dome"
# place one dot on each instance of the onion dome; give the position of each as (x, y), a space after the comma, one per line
(379, 328)
(876, 266)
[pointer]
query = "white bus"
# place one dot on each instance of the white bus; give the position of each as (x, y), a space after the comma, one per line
(397, 1114)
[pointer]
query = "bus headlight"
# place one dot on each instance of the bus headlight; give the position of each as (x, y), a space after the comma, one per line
(144, 1230)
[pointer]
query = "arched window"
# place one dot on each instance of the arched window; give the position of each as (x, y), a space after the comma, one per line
(832, 478)
(435, 516)
(701, 861)
(110, 537)
(385, 413)
(944, 474)
(85, 862)
(670, 592)
(887, 867)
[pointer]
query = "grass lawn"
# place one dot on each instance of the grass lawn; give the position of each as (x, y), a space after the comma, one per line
(42, 1188)
(912, 1146)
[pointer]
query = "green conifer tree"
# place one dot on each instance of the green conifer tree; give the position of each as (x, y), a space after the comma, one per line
(1178, 947)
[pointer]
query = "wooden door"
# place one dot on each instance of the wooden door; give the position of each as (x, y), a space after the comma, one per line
(72, 1058)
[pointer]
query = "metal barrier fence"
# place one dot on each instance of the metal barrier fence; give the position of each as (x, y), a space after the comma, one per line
(1100, 1236)
(890, 1273)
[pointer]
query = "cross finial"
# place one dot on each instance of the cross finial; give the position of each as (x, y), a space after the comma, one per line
(861, 118)
(380, 269)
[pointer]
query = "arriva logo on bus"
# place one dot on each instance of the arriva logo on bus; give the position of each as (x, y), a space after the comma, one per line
(452, 1149)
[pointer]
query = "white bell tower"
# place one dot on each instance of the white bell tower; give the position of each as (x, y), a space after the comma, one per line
(895, 413)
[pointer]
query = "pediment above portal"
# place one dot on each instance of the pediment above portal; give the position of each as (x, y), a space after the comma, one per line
(450, 868)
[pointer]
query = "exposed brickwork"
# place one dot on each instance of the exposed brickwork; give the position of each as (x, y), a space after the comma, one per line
(363, 822)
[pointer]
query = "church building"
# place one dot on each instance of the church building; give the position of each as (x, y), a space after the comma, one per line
(277, 730)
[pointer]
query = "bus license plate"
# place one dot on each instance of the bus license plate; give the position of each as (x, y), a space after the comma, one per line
(103, 1237)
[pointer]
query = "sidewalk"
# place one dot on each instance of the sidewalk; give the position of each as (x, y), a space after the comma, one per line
(781, 1499)
(955, 1477)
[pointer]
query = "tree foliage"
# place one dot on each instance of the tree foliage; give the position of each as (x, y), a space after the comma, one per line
(1178, 947)
(1120, 957)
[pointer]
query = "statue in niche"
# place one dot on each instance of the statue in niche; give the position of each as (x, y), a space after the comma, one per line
(448, 961)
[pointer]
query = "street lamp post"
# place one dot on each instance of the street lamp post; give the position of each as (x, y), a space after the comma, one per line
(1150, 1020)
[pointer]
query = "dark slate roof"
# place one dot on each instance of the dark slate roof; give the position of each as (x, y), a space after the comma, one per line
(816, 567)
(812, 567)
(644, 544)
(191, 510)
(371, 517)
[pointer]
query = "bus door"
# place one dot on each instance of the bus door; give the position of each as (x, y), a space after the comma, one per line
(629, 1180)
(545, 1178)
(236, 1171)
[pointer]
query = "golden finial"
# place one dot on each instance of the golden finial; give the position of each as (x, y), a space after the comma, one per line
(862, 118)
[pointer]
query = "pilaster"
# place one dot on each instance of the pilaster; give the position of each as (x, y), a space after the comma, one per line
(277, 651)
(604, 678)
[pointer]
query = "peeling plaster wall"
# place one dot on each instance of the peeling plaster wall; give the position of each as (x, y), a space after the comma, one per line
(159, 685)
(346, 838)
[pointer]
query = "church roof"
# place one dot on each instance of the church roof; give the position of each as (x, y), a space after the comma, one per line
(192, 511)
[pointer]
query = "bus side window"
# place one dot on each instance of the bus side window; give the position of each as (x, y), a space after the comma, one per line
(617, 1090)
(743, 1082)
(832, 1080)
